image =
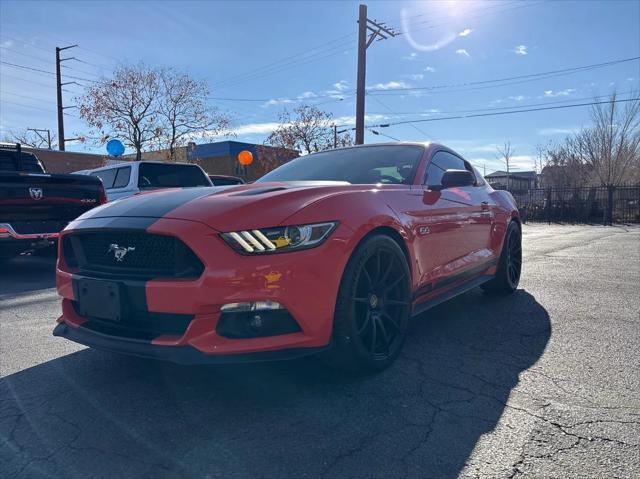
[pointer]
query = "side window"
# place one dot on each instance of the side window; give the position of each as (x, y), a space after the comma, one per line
(122, 177)
(107, 177)
(441, 162)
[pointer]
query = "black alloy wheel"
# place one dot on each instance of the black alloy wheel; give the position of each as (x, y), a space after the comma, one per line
(507, 275)
(373, 307)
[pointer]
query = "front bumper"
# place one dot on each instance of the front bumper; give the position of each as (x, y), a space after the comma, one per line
(175, 354)
(305, 283)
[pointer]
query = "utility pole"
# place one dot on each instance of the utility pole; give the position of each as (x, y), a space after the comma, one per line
(59, 85)
(377, 29)
(38, 132)
(336, 133)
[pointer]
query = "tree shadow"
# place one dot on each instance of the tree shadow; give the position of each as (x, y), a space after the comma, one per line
(97, 414)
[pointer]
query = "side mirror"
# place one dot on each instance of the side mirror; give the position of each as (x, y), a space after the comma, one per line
(457, 178)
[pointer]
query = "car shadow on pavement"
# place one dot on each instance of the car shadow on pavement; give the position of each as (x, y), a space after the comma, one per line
(95, 414)
(27, 273)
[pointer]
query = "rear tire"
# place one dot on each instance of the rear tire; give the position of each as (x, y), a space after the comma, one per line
(510, 264)
(372, 308)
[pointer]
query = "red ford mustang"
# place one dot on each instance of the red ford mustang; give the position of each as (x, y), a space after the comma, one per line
(331, 252)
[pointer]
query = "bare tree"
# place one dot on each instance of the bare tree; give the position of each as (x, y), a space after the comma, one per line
(311, 130)
(183, 112)
(611, 147)
(506, 153)
(31, 137)
(562, 165)
(125, 106)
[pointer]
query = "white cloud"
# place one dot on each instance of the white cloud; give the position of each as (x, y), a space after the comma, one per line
(462, 51)
(557, 131)
(410, 56)
(256, 128)
(351, 120)
(553, 94)
(306, 94)
(277, 101)
(342, 85)
(6, 44)
(518, 98)
(416, 76)
(429, 69)
(520, 50)
(465, 32)
(390, 85)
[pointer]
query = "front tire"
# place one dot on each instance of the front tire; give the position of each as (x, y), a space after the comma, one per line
(510, 265)
(372, 308)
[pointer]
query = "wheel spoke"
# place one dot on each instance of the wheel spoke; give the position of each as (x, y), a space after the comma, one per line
(395, 283)
(365, 323)
(378, 265)
(391, 320)
(373, 336)
(395, 302)
(387, 271)
(367, 276)
(361, 300)
(385, 336)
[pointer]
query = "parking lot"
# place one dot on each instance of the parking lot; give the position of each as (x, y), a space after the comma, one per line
(544, 383)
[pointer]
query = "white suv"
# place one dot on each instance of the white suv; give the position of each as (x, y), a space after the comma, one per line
(128, 178)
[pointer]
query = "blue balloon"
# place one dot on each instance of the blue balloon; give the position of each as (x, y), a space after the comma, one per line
(115, 147)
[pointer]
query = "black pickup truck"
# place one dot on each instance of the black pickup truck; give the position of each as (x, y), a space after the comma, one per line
(34, 205)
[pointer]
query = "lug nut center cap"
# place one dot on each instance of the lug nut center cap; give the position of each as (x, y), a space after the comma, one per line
(373, 301)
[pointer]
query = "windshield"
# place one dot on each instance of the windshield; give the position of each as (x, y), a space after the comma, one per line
(363, 165)
(157, 175)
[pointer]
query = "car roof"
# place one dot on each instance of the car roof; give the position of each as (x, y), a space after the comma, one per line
(127, 163)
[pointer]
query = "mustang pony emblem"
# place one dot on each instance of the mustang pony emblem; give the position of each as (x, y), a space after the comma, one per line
(120, 252)
(35, 193)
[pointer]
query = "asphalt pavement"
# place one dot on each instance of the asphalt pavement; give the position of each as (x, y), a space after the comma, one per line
(543, 383)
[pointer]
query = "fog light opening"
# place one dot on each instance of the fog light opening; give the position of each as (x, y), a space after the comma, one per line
(250, 306)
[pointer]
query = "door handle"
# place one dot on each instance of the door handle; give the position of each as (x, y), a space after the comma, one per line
(484, 205)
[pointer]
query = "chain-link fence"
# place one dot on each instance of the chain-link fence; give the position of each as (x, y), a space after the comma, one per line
(593, 205)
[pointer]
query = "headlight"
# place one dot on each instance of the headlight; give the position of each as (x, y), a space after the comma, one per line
(279, 239)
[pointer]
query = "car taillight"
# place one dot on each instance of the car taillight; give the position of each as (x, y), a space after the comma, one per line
(103, 194)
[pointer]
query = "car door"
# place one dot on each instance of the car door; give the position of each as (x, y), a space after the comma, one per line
(453, 230)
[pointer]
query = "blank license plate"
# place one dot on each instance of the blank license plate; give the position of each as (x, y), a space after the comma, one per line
(99, 299)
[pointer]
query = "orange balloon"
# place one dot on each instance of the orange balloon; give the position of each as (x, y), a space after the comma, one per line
(245, 158)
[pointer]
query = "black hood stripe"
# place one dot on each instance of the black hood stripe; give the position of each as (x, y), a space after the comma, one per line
(122, 222)
(155, 205)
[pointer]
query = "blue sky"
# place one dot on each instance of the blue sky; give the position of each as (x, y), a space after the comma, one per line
(284, 53)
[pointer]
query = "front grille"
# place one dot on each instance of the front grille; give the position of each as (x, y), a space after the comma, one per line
(130, 254)
(140, 325)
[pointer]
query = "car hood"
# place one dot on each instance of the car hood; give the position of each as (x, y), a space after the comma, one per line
(257, 205)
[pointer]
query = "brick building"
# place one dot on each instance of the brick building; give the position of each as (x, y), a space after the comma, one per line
(67, 161)
(220, 158)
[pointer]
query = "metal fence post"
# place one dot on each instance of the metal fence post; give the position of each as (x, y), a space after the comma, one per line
(609, 210)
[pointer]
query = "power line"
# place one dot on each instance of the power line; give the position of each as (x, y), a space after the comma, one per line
(422, 132)
(424, 120)
(450, 112)
(284, 59)
(375, 132)
(27, 97)
(530, 75)
(35, 108)
(277, 69)
(38, 70)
